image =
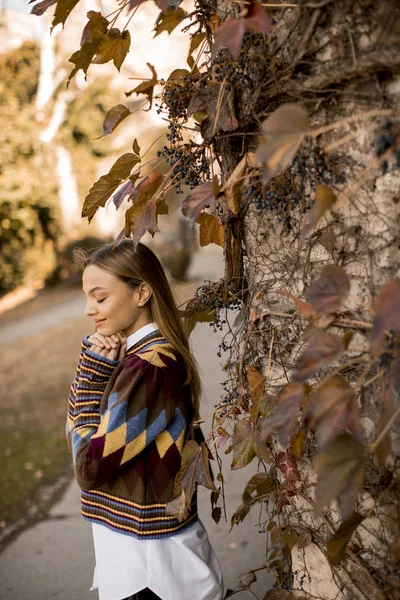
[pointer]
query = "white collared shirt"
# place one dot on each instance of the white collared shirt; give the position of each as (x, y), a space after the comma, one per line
(180, 567)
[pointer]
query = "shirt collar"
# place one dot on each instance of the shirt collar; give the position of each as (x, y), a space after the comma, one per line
(139, 334)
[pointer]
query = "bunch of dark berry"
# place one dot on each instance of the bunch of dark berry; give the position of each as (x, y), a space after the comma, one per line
(176, 96)
(312, 163)
(215, 296)
(190, 165)
(388, 138)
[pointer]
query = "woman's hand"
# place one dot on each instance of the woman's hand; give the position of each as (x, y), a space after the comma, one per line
(112, 347)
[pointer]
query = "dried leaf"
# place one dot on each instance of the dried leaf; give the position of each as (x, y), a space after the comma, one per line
(165, 4)
(304, 539)
(62, 12)
(147, 86)
(216, 514)
(297, 443)
(304, 308)
(258, 19)
(194, 469)
(327, 293)
(193, 316)
(178, 507)
(276, 535)
(136, 147)
(221, 114)
(324, 349)
(324, 198)
(387, 314)
(93, 34)
(98, 195)
(289, 538)
(196, 41)
(201, 197)
(211, 230)
(114, 117)
(284, 417)
(141, 217)
(243, 444)
(233, 187)
(340, 470)
(261, 484)
(328, 241)
(387, 409)
(256, 383)
(336, 547)
(148, 187)
(40, 8)
(168, 20)
(283, 132)
(95, 28)
(332, 407)
(229, 35)
(123, 166)
(115, 46)
(122, 193)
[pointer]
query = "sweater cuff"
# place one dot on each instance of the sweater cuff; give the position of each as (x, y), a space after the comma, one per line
(99, 367)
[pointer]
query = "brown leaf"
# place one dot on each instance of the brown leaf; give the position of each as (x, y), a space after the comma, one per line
(243, 444)
(233, 187)
(114, 117)
(324, 349)
(340, 470)
(141, 217)
(304, 539)
(282, 134)
(297, 443)
(201, 197)
(115, 46)
(256, 383)
(135, 147)
(98, 195)
(168, 20)
(387, 314)
(194, 470)
(148, 187)
(332, 407)
(336, 547)
(41, 7)
(324, 198)
(122, 193)
(123, 166)
(178, 507)
(229, 35)
(195, 41)
(211, 230)
(62, 12)
(258, 19)
(193, 316)
(328, 241)
(284, 417)
(327, 293)
(276, 535)
(221, 115)
(387, 409)
(216, 514)
(261, 484)
(165, 4)
(95, 28)
(93, 34)
(304, 308)
(146, 87)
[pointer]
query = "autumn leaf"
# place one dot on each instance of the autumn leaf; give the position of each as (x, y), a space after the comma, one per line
(62, 12)
(195, 41)
(98, 195)
(115, 47)
(178, 507)
(93, 34)
(165, 4)
(331, 408)
(148, 187)
(122, 193)
(211, 230)
(123, 166)
(136, 147)
(304, 539)
(233, 187)
(258, 19)
(229, 35)
(282, 134)
(283, 419)
(304, 308)
(147, 86)
(327, 293)
(386, 411)
(324, 198)
(41, 7)
(114, 117)
(340, 470)
(255, 383)
(194, 469)
(324, 349)
(243, 444)
(201, 197)
(387, 314)
(168, 20)
(220, 107)
(336, 547)
(260, 483)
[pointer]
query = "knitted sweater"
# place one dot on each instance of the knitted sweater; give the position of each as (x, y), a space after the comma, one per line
(126, 427)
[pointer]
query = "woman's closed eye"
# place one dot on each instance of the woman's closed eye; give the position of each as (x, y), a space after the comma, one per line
(102, 300)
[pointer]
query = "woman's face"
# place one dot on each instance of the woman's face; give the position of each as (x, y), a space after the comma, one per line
(111, 303)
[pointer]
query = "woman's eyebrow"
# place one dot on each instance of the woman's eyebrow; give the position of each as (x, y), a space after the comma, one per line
(97, 288)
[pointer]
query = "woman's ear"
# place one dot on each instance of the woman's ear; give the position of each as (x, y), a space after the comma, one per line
(145, 293)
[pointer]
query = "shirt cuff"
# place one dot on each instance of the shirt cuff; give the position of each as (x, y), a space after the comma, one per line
(99, 366)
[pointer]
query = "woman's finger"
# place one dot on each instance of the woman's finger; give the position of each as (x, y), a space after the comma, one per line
(122, 349)
(94, 339)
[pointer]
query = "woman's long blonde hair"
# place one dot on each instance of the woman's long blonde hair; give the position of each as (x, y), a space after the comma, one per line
(133, 266)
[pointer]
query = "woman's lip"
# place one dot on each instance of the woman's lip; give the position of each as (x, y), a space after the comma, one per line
(97, 322)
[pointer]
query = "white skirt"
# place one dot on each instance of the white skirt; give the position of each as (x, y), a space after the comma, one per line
(181, 566)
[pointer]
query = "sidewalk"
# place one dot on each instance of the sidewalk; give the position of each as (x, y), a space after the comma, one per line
(55, 558)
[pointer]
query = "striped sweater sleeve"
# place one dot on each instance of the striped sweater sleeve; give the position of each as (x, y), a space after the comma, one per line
(141, 408)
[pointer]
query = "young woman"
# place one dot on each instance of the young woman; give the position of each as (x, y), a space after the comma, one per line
(135, 394)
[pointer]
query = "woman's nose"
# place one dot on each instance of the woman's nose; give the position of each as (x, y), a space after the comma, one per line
(89, 310)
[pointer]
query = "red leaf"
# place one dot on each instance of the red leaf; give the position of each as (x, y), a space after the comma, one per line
(324, 349)
(201, 197)
(229, 35)
(332, 407)
(258, 19)
(387, 313)
(284, 417)
(327, 293)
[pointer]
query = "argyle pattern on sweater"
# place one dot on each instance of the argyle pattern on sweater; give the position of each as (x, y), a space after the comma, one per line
(126, 427)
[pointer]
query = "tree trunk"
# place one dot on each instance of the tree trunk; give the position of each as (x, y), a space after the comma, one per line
(338, 59)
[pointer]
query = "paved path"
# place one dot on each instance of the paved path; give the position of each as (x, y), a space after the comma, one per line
(55, 558)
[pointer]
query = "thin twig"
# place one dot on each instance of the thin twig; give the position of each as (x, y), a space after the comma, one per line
(384, 431)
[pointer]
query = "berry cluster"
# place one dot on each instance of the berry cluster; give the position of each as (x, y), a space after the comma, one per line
(388, 138)
(216, 296)
(176, 96)
(190, 165)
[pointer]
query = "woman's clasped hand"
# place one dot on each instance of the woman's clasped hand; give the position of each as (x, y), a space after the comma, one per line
(110, 346)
